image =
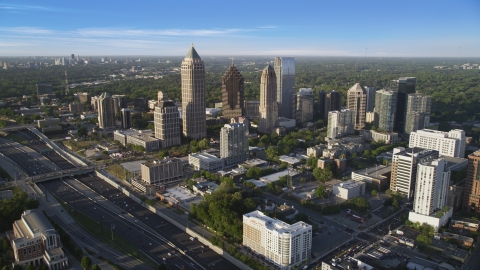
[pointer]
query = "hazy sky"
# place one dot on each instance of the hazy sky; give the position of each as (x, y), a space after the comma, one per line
(417, 28)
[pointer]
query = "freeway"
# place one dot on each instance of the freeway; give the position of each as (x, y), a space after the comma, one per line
(200, 253)
(145, 241)
(26, 161)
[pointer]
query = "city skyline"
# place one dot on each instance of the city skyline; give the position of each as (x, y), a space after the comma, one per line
(310, 28)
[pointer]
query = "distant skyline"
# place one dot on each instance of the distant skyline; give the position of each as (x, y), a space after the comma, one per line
(425, 28)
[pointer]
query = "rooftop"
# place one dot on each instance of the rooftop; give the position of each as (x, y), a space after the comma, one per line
(275, 224)
(349, 184)
(276, 176)
(192, 53)
(205, 157)
(375, 171)
(165, 160)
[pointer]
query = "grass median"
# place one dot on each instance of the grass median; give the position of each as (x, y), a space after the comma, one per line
(105, 235)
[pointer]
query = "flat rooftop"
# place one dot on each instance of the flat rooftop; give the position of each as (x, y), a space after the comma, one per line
(166, 160)
(276, 224)
(256, 162)
(205, 157)
(133, 166)
(276, 176)
(349, 184)
(289, 160)
(375, 171)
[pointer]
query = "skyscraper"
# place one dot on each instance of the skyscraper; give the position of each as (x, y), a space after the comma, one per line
(118, 103)
(471, 199)
(193, 96)
(370, 98)
(418, 112)
(403, 86)
(404, 168)
(268, 101)
(234, 143)
(333, 102)
(106, 113)
(340, 123)
(303, 105)
(167, 122)
(126, 118)
(357, 102)
(232, 93)
(433, 179)
(385, 108)
(285, 71)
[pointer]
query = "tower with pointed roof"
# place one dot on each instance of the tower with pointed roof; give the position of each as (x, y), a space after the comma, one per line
(268, 101)
(357, 102)
(232, 93)
(106, 112)
(193, 96)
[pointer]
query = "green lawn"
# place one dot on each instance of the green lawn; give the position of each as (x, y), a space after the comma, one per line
(94, 228)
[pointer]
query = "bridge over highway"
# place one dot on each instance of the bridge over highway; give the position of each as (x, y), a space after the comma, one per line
(59, 174)
(15, 128)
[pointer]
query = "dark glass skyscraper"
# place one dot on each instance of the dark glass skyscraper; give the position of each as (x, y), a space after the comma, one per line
(285, 71)
(333, 102)
(404, 86)
(232, 93)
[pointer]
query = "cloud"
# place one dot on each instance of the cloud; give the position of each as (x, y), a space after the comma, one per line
(115, 32)
(267, 27)
(22, 7)
(27, 30)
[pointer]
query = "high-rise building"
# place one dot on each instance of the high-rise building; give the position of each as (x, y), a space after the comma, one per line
(167, 122)
(285, 71)
(433, 178)
(370, 98)
(160, 172)
(403, 86)
(85, 97)
(44, 89)
(140, 104)
(234, 143)
(450, 144)
(126, 118)
(404, 168)
(282, 244)
(385, 108)
(471, 199)
(418, 112)
(333, 102)
(252, 109)
(321, 103)
(303, 105)
(268, 101)
(106, 113)
(193, 96)
(232, 93)
(340, 123)
(357, 102)
(119, 103)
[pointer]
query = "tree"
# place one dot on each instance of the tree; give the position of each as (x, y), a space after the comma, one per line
(5, 245)
(95, 267)
(312, 162)
(389, 192)
(86, 263)
(395, 203)
(374, 193)
(82, 131)
(5, 268)
(320, 192)
(162, 154)
(30, 267)
(354, 155)
(424, 239)
(151, 126)
(272, 152)
(17, 267)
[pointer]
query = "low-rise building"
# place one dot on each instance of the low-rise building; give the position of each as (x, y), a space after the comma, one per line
(144, 138)
(35, 241)
(349, 189)
(162, 171)
(376, 178)
(205, 161)
(294, 174)
(377, 136)
(465, 224)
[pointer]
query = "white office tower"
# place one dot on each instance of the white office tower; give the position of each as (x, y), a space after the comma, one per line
(106, 113)
(357, 102)
(167, 123)
(340, 123)
(418, 112)
(433, 179)
(450, 144)
(234, 143)
(303, 105)
(282, 244)
(404, 168)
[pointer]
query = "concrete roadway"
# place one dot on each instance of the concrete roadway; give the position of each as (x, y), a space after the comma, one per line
(144, 240)
(200, 253)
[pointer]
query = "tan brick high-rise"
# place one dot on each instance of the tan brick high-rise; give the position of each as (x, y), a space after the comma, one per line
(357, 101)
(471, 200)
(232, 93)
(268, 101)
(193, 96)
